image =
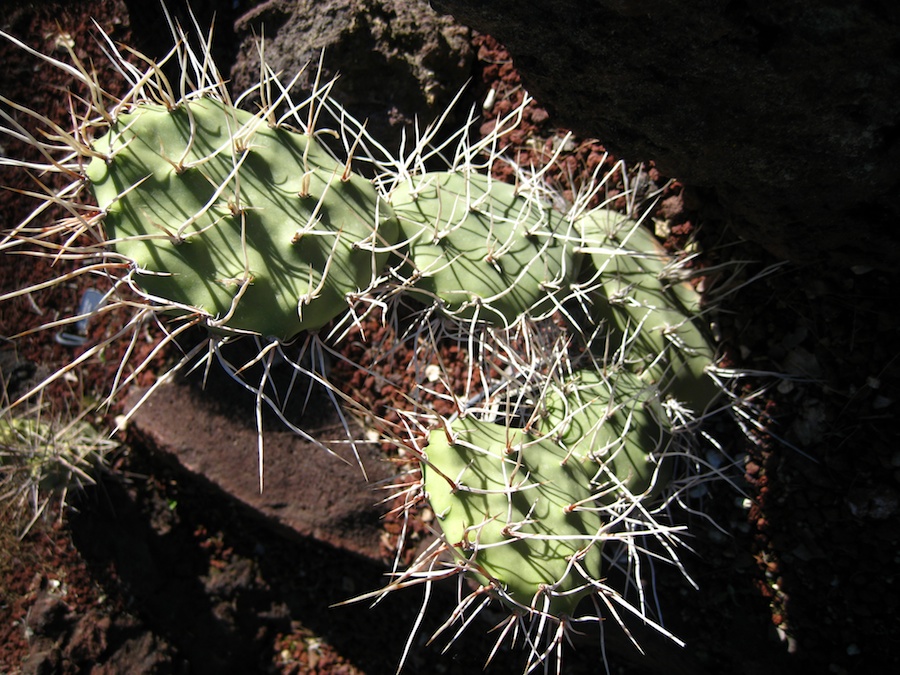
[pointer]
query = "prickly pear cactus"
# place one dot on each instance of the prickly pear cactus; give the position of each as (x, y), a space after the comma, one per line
(517, 510)
(528, 512)
(577, 321)
(481, 248)
(255, 226)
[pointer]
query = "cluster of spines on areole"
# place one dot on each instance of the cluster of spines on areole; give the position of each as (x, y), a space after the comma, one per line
(454, 230)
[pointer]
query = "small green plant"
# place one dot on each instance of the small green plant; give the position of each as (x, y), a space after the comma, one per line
(43, 461)
(587, 364)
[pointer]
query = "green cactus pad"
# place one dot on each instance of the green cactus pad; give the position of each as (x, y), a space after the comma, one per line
(198, 228)
(616, 421)
(656, 314)
(482, 248)
(507, 481)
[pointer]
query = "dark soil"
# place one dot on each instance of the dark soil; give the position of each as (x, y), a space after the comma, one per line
(156, 570)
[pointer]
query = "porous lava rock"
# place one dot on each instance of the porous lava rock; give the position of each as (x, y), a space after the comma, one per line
(782, 114)
(397, 60)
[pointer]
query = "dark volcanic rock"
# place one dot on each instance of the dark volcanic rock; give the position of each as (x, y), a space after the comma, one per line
(307, 491)
(783, 112)
(397, 60)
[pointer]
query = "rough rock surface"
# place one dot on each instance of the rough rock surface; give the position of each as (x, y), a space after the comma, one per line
(211, 440)
(782, 112)
(397, 60)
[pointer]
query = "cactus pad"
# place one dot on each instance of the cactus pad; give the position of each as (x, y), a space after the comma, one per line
(255, 227)
(510, 513)
(657, 313)
(619, 423)
(482, 248)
